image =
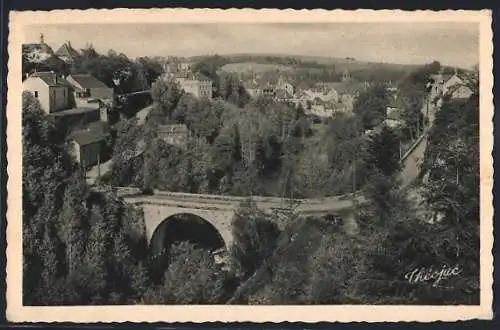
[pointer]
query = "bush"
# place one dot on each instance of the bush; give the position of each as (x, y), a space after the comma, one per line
(255, 237)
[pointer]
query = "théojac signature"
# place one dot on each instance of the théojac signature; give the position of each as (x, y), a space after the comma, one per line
(430, 274)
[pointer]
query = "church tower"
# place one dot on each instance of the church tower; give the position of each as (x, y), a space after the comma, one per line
(345, 75)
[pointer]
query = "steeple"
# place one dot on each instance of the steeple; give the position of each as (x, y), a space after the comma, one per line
(345, 75)
(41, 38)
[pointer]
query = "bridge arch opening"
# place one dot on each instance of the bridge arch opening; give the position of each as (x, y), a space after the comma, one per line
(184, 227)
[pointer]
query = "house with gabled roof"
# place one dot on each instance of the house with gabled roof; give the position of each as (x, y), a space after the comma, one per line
(456, 87)
(50, 89)
(253, 89)
(196, 84)
(85, 144)
(67, 53)
(348, 91)
(87, 89)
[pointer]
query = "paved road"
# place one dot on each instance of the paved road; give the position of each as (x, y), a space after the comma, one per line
(93, 173)
(141, 115)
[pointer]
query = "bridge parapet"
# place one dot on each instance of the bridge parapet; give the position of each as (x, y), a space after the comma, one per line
(220, 199)
(197, 202)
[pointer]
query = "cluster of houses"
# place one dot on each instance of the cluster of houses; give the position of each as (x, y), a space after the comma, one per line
(191, 82)
(41, 51)
(322, 100)
(80, 103)
(77, 102)
(453, 86)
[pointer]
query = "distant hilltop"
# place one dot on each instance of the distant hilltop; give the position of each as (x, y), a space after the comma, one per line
(325, 60)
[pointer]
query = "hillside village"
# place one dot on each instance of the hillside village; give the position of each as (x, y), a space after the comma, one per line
(82, 104)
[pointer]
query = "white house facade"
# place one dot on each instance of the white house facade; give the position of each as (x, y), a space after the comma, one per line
(51, 91)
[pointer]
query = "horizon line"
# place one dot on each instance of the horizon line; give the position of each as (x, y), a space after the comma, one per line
(277, 54)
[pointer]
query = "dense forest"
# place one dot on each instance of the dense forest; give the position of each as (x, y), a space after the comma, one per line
(86, 247)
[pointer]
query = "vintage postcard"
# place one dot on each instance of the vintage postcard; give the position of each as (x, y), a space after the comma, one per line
(249, 165)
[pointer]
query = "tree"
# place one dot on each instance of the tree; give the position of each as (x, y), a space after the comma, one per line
(129, 145)
(371, 106)
(383, 151)
(232, 90)
(108, 68)
(91, 275)
(202, 117)
(226, 150)
(413, 92)
(383, 166)
(312, 172)
(191, 278)
(412, 115)
(73, 223)
(406, 242)
(151, 69)
(331, 267)
(79, 247)
(452, 192)
(166, 95)
(255, 238)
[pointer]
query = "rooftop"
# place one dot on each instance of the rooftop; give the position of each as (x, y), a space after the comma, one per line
(67, 50)
(199, 76)
(348, 87)
(88, 81)
(90, 133)
(50, 78)
(87, 136)
(74, 111)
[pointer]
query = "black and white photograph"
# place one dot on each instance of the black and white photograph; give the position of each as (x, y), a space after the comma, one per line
(253, 162)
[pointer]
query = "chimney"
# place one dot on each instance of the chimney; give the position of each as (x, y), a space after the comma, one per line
(41, 38)
(54, 75)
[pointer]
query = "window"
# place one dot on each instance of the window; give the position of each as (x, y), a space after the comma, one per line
(36, 94)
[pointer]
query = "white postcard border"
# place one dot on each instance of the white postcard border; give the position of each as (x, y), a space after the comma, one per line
(142, 313)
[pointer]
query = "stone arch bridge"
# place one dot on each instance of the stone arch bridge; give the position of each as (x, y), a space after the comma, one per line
(217, 211)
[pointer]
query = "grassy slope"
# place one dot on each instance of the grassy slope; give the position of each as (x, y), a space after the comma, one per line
(254, 67)
(243, 60)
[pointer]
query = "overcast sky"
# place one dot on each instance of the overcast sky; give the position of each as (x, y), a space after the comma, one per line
(416, 43)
